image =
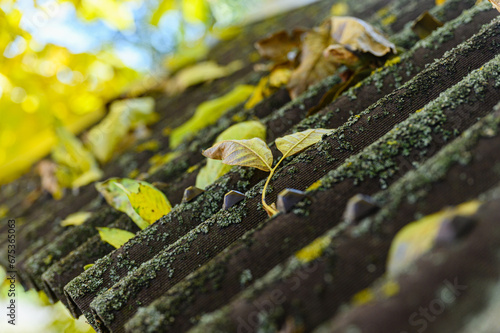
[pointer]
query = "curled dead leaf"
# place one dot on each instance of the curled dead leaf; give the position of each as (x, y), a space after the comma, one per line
(338, 53)
(313, 65)
(357, 35)
(252, 153)
(280, 45)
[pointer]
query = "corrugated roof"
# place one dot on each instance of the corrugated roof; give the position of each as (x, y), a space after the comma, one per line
(419, 134)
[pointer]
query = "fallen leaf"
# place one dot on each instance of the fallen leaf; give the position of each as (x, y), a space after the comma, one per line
(199, 73)
(214, 169)
(425, 24)
(207, 113)
(47, 170)
(496, 4)
(124, 116)
(252, 153)
(339, 54)
(87, 266)
(261, 91)
(338, 41)
(280, 45)
(313, 65)
(76, 219)
(296, 142)
(114, 236)
(141, 201)
(76, 166)
(418, 237)
(186, 55)
(357, 35)
(339, 9)
(279, 76)
(159, 160)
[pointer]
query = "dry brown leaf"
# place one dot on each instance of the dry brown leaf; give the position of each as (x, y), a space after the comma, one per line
(357, 35)
(338, 53)
(496, 4)
(313, 65)
(277, 47)
(252, 153)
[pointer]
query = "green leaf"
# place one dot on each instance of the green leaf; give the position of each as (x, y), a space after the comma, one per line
(296, 142)
(214, 169)
(76, 218)
(115, 237)
(209, 112)
(124, 116)
(418, 237)
(252, 153)
(141, 201)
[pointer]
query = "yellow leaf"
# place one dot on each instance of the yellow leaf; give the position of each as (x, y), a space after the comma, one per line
(262, 90)
(440, 2)
(114, 236)
(186, 55)
(225, 33)
(124, 115)
(209, 112)
(214, 169)
(418, 237)
(252, 153)
(201, 72)
(150, 203)
(339, 9)
(87, 266)
(357, 35)
(141, 201)
(296, 142)
(76, 218)
(314, 250)
(76, 166)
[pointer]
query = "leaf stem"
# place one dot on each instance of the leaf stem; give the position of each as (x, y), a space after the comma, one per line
(270, 210)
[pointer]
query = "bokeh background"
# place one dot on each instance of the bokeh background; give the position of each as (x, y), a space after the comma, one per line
(61, 61)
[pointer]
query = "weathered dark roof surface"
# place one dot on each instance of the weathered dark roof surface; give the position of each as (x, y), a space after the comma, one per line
(419, 134)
